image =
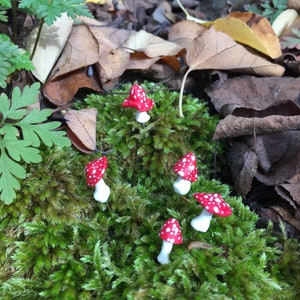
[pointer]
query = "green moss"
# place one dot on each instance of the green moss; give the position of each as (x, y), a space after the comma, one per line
(59, 243)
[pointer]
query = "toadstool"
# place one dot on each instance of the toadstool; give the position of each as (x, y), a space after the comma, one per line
(170, 233)
(138, 100)
(94, 172)
(213, 204)
(186, 170)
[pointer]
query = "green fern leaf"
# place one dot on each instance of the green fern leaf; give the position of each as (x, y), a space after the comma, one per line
(12, 58)
(6, 3)
(49, 11)
(21, 133)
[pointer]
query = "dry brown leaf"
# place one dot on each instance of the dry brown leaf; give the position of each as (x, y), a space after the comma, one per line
(183, 32)
(216, 50)
(151, 45)
(287, 216)
(199, 245)
(113, 59)
(62, 89)
(82, 128)
(69, 74)
(244, 163)
(252, 30)
(81, 50)
(233, 126)
(257, 93)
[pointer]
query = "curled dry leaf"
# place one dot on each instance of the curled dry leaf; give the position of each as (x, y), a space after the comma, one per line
(69, 73)
(252, 30)
(113, 59)
(183, 32)
(146, 49)
(257, 93)
(82, 128)
(233, 126)
(244, 163)
(216, 50)
(199, 245)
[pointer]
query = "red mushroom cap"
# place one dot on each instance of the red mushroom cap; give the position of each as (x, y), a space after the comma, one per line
(214, 204)
(138, 100)
(171, 232)
(95, 170)
(186, 167)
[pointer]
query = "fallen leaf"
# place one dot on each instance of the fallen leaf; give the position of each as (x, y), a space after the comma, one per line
(252, 30)
(233, 126)
(69, 73)
(62, 89)
(290, 192)
(112, 59)
(284, 21)
(257, 93)
(199, 245)
(183, 32)
(52, 41)
(216, 50)
(82, 128)
(244, 163)
(147, 49)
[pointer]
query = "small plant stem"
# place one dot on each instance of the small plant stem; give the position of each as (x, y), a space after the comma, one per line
(14, 11)
(181, 92)
(37, 38)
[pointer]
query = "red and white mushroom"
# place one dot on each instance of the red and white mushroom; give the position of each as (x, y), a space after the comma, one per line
(213, 204)
(170, 233)
(138, 100)
(94, 172)
(186, 169)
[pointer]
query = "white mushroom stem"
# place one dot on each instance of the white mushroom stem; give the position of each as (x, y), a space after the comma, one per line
(202, 222)
(142, 116)
(102, 191)
(163, 256)
(182, 186)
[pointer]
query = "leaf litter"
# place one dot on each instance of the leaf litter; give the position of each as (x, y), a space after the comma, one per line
(258, 103)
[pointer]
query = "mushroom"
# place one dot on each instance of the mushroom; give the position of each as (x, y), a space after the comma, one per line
(138, 100)
(186, 169)
(170, 233)
(213, 204)
(94, 172)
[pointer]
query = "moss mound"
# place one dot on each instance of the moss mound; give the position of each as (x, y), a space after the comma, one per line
(59, 243)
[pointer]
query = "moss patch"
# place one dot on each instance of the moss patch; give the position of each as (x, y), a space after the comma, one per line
(59, 243)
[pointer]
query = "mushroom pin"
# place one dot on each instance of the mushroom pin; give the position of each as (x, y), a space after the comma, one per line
(186, 170)
(138, 100)
(170, 233)
(94, 172)
(213, 204)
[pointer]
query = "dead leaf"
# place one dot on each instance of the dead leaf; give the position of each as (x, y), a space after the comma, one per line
(112, 59)
(199, 245)
(69, 73)
(62, 89)
(147, 49)
(216, 50)
(252, 30)
(257, 93)
(288, 216)
(52, 40)
(284, 21)
(183, 32)
(290, 192)
(233, 126)
(151, 45)
(82, 128)
(244, 163)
